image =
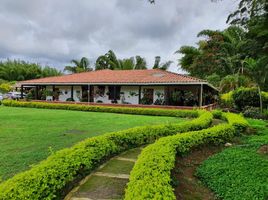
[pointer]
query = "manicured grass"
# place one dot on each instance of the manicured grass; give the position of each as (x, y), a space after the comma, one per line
(29, 135)
(240, 172)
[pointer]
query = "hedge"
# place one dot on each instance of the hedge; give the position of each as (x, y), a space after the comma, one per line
(87, 108)
(243, 97)
(151, 175)
(50, 178)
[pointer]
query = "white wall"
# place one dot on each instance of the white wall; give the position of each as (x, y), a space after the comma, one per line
(104, 98)
(129, 94)
(65, 93)
(157, 89)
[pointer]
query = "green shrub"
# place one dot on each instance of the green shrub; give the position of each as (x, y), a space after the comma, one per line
(226, 100)
(248, 97)
(151, 175)
(125, 110)
(47, 179)
(254, 112)
(217, 114)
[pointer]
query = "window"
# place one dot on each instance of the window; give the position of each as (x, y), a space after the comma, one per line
(114, 92)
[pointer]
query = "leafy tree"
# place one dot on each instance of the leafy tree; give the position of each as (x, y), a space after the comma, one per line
(126, 64)
(80, 66)
(5, 87)
(140, 63)
(107, 61)
(258, 70)
(110, 61)
(17, 70)
(232, 82)
(162, 66)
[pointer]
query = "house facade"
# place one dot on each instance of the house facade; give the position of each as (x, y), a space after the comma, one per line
(149, 87)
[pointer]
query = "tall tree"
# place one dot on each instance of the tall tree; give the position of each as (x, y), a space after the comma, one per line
(140, 63)
(162, 66)
(17, 70)
(107, 61)
(258, 71)
(81, 65)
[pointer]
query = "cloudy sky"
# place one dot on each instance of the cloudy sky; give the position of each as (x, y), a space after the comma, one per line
(55, 31)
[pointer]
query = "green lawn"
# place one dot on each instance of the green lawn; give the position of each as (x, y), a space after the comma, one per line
(240, 172)
(29, 135)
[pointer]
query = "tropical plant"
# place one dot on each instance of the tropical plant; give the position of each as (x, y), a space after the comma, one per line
(162, 66)
(80, 66)
(5, 87)
(17, 70)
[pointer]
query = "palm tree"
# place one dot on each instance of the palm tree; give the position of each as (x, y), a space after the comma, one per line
(80, 66)
(163, 66)
(257, 69)
(107, 61)
(126, 64)
(140, 63)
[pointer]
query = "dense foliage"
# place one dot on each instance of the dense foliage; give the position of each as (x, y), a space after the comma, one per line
(125, 110)
(238, 55)
(246, 100)
(151, 175)
(16, 70)
(47, 179)
(239, 164)
(80, 66)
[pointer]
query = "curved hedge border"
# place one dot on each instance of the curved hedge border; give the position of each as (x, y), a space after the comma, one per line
(88, 108)
(151, 175)
(49, 178)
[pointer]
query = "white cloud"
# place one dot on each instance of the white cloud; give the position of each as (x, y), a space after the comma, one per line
(55, 31)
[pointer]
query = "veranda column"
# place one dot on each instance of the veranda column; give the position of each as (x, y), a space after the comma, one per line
(53, 90)
(201, 96)
(21, 91)
(139, 94)
(72, 92)
(36, 93)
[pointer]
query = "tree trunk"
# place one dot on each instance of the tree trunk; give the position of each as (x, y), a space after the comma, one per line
(259, 89)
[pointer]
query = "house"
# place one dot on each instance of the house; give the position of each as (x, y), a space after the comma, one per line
(151, 86)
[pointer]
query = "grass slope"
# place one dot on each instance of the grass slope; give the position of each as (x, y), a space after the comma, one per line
(29, 135)
(239, 172)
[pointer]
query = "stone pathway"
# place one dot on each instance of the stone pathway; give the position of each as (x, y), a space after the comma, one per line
(108, 181)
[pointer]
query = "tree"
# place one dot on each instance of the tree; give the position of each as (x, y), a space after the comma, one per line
(80, 66)
(110, 61)
(5, 87)
(107, 61)
(162, 66)
(17, 70)
(126, 64)
(140, 63)
(232, 82)
(258, 70)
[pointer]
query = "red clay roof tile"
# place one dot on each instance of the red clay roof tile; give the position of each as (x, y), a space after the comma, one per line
(154, 76)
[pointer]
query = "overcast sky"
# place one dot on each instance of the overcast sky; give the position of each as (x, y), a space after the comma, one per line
(55, 31)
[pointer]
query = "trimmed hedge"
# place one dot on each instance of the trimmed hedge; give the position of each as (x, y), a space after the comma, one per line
(87, 108)
(151, 175)
(49, 178)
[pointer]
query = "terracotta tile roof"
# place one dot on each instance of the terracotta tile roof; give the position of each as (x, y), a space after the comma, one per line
(151, 76)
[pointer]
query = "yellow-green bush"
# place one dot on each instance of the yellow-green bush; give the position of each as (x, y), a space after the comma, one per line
(151, 175)
(125, 110)
(48, 179)
(226, 100)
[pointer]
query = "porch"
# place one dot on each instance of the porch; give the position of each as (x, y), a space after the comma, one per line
(186, 95)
